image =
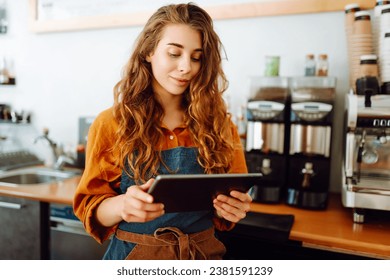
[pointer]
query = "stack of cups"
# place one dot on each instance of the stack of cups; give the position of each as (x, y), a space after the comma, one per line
(384, 45)
(384, 67)
(350, 11)
(361, 43)
(375, 19)
(376, 34)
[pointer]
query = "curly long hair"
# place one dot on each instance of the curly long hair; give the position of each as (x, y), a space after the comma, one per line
(140, 115)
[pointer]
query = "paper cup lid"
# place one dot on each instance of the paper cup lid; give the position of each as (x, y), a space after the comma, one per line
(369, 57)
(351, 6)
(385, 8)
(362, 13)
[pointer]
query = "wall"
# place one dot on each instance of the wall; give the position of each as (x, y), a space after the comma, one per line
(62, 76)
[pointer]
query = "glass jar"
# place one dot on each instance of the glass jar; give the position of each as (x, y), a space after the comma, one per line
(272, 66)
(322, 65)
(4, 74)
(310, 65)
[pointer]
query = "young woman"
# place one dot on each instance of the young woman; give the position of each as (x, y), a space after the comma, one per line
(168, 117)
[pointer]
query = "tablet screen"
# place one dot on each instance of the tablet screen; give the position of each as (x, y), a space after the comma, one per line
(195, 192)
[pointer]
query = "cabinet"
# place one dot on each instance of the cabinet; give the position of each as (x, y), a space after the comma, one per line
(68, 238)
(24, 231)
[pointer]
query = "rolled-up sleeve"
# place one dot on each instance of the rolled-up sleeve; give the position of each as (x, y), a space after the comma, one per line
(101, 177)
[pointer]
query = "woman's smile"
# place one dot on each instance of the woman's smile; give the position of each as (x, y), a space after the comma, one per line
(181, 82)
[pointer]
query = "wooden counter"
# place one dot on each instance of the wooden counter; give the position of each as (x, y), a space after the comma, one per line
(334, 229)
(56, 192)
(331, 230)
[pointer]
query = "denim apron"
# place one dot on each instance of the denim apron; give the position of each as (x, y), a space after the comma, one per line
(181, 160)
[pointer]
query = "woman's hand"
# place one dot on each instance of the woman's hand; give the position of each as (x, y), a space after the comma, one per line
(138, 205)
(234, 207)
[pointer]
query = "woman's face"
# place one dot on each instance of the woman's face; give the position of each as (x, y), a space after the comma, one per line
(176, 60)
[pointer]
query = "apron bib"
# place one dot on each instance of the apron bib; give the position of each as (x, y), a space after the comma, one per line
(184, 235)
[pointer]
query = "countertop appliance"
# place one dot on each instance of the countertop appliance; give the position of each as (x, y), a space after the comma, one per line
(267, 134)
(367, 154)
(311, 120)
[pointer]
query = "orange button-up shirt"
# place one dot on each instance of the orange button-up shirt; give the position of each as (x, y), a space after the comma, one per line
(101, 177)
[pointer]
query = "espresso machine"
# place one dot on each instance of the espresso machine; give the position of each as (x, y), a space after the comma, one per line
(366, 154)
(266, 136)
(311, 119)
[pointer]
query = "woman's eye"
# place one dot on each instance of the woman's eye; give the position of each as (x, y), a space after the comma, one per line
(196, 59)
(174, 54)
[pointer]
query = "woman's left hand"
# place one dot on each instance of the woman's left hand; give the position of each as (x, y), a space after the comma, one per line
(234, 207)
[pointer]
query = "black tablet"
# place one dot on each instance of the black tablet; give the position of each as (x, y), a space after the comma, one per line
(195, 192)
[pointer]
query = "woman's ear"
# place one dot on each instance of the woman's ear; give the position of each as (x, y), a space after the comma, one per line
(148, 58)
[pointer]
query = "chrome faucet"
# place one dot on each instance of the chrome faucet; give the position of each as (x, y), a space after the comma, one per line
(53, 145)
(60, 159)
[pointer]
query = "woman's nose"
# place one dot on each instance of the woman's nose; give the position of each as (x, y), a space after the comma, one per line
(185, 65)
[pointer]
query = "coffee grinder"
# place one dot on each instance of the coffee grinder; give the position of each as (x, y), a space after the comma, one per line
(311, 118)
(266, 142)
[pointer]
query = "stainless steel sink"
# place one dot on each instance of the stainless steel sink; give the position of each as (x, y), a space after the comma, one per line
(35, 176)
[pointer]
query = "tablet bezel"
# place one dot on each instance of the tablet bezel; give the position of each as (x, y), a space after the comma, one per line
(195, 192)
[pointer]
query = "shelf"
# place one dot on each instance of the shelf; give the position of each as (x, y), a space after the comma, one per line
(16, 123)
(130, 17)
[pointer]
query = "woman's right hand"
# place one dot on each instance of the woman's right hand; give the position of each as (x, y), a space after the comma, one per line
(138, 205)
